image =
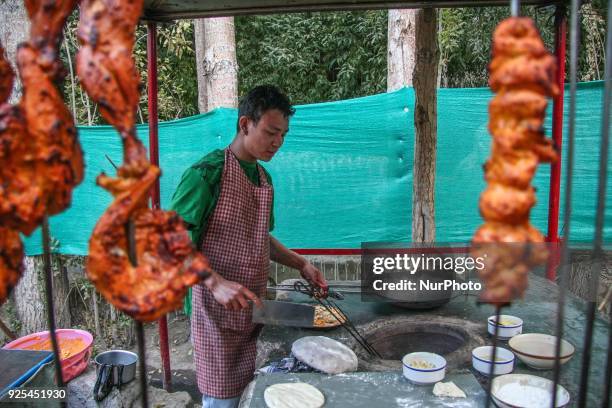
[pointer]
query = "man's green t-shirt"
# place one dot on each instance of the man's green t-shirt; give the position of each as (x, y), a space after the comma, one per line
(197, 194)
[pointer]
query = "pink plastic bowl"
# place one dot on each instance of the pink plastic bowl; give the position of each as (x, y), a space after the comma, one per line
(71, 366)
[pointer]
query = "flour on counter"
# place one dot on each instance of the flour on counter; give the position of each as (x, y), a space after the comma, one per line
(524, 395)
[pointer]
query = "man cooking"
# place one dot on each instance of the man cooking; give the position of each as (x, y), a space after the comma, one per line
(226, 200)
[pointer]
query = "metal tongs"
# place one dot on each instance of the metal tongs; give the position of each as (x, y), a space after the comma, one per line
(335, 310)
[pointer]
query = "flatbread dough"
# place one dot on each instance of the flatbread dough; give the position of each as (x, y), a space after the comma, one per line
(325, 354)
(293, 395)
(448, 389)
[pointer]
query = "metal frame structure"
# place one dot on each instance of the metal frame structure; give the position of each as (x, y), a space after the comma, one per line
(167, 10)
(163, 10)
(156, 10)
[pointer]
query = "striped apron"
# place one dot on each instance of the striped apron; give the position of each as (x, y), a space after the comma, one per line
(237, 244)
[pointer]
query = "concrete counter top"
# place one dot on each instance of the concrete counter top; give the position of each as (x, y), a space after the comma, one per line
(538, 311)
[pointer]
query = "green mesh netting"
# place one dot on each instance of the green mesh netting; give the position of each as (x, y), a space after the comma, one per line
(344, 174)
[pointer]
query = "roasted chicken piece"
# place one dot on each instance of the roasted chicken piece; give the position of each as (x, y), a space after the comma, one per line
(11, 248)
(40, 158)
(11, 255)
(47, 19)
(6, 77)
(59, 159)
(522, 74)
(108, 72)
(164, 263)
(21, 204)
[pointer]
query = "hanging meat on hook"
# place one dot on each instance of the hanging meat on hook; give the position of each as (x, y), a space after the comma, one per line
(48, 18)
(40, 157)
(522, 74)
(165, 263)
(6, 77)
(11, 256)
(11, 248)
(107, 71)
(48, 120)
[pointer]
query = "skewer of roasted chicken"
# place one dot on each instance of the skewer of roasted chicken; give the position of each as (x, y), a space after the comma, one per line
(166, 262)
(40, 158)
(522, 74)
(11, 248)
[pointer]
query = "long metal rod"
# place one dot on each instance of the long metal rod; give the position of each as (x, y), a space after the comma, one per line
(162, 323)
(563, 270)
(598, 254)
(142, 364)
(46, 238)
(515, 8)
(557, 134)
(608, 378)
(492, 368)
(130, 230)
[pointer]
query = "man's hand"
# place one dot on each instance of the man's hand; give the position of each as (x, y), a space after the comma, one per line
(314, 277)
(231, 295)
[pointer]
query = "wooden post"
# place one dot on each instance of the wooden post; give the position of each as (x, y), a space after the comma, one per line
(425, 120)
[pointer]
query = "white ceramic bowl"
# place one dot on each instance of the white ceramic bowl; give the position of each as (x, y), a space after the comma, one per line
(526, 391)
(481, 360)
(510, 326)
(538, 350)
(418, 375)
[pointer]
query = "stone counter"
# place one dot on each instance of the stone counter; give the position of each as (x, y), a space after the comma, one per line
(538, 311)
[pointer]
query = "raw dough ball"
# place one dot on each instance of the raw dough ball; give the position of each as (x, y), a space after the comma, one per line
(448, 389)
(325, 354)
(293, 395)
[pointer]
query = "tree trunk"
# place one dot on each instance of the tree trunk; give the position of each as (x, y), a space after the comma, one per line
(401, 48)
(29, 297)
(425, 78)
(61, 289)
(217, 68)
(198, 30)
(14, 29)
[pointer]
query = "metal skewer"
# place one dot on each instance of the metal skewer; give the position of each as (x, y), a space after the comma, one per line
(597, 260)
(142, 368)
(515, 8)
(110, 161)
(562, 271)
(493, 355)
(46, 238)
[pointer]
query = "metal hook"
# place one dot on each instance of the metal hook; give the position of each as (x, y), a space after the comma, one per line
(515, 8)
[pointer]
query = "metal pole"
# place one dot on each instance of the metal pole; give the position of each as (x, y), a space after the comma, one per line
(598, 254)
(515, 8)
(130, 231)
(493, 354)
(608, 378)
(557, 134)
(152, 99)
(155, 195)
(574, 41)
(46, 237)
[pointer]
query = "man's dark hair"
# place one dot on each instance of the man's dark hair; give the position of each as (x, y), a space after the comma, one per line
(262, 98)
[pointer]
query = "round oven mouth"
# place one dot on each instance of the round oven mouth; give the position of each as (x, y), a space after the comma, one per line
(394, 337)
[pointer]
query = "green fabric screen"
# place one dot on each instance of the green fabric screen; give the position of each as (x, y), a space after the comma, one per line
(344, 174)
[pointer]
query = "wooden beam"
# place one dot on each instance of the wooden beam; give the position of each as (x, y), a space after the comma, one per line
(425, 122)
(164, 10)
